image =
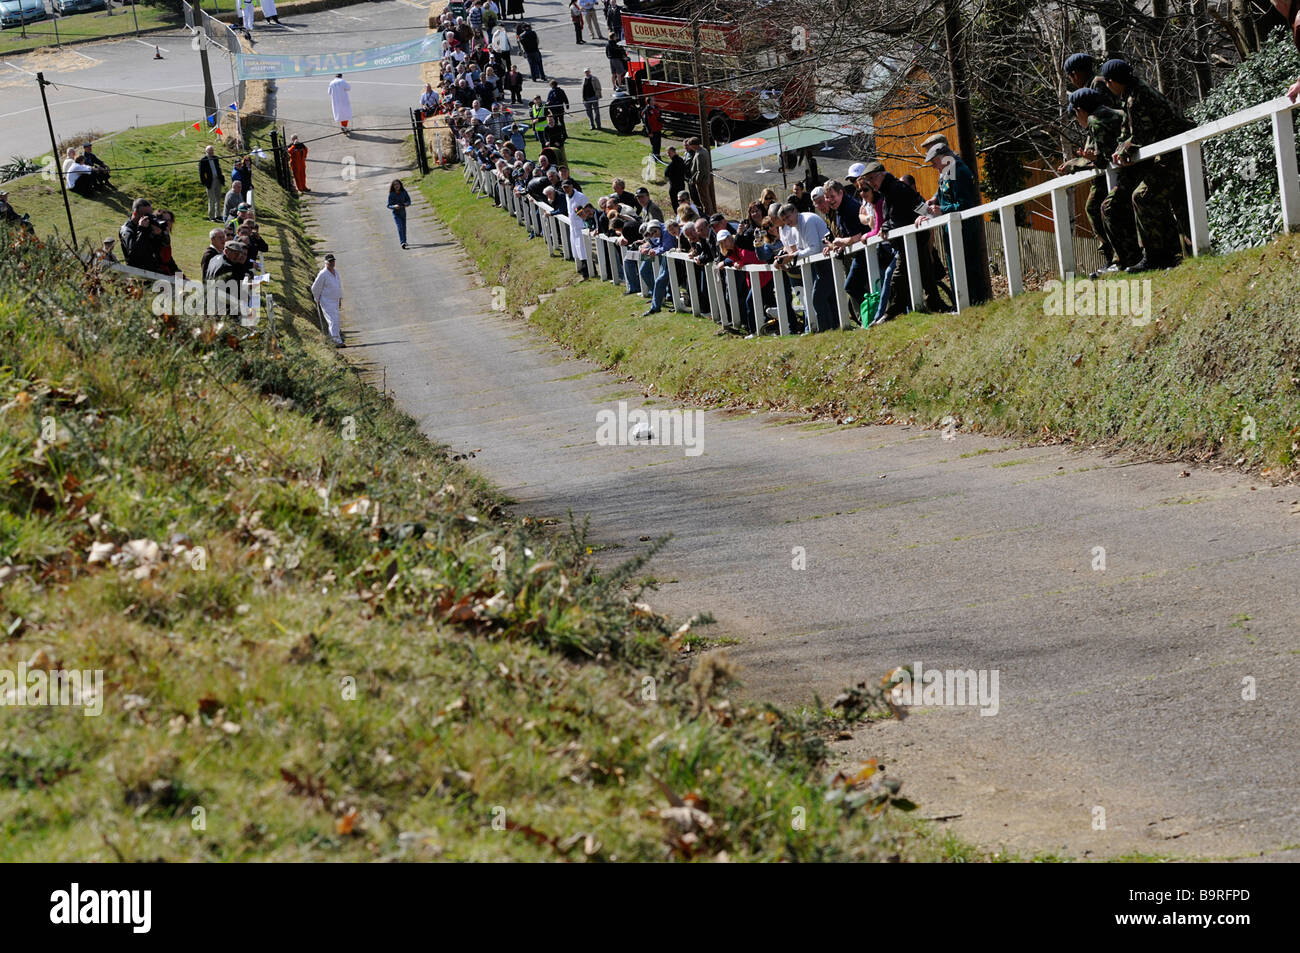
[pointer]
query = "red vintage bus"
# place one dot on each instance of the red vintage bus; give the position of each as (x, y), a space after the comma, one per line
(660, 66)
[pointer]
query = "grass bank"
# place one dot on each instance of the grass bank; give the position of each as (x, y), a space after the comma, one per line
(1213, 376)
(320, 637)
(88, 28)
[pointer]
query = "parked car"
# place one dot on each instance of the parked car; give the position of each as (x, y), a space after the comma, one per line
(64, 7)
(17, 12)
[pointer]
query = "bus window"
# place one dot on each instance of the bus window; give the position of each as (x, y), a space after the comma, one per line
(654, 69)
(678, 68)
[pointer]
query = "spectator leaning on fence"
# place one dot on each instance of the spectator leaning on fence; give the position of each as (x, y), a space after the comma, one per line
(958, 192)
(1117, 237)
(804, 234)
(849, 231)
(1159, 197)
(900, 204)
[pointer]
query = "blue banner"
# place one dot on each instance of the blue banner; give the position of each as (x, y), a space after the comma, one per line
(271, 66)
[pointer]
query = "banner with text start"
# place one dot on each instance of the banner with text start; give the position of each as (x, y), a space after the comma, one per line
(287, 66)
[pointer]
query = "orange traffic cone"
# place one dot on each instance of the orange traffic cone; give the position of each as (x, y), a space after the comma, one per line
(157, 53)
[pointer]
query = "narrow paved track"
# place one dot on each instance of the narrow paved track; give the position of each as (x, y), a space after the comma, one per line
(1120, 689)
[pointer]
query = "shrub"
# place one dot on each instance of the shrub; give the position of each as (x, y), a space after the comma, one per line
(1243, 206)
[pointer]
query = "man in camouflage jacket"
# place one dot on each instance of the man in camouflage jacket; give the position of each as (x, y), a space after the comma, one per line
(1159, 197)
(1116, 234)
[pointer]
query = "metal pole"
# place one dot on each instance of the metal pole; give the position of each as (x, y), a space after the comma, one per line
(57, 41)
(54, 148)
(780, 159)
(706, 140)
(135, 19)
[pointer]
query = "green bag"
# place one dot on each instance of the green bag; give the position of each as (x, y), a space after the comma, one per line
(870, 302)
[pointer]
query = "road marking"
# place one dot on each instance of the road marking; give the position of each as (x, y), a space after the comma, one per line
(143, 43)
(91, 58)
(62, 102)
(21, 70)
(411, 3)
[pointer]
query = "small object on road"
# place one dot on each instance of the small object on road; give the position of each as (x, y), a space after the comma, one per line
(157, 53)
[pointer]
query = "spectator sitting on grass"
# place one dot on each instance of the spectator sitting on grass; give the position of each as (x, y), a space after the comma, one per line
(9, 215)
(99, 177)
(78, 176)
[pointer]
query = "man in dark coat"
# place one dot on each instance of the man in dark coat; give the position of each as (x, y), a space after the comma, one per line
(902, 203)
(532, 51)
(675, 175)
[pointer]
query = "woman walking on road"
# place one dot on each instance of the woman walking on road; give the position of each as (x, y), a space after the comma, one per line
(398, 200)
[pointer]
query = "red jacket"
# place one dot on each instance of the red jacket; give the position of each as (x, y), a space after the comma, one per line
(747, 256)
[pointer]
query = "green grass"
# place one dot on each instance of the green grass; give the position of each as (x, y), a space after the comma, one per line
(1223, 345)
(83, 27)
(596, 158)
(303, 676)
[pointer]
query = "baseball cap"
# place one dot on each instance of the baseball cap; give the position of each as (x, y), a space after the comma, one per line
(857, 169)
(329, 257)
(872, 168)
(654, 224)
(643, 191)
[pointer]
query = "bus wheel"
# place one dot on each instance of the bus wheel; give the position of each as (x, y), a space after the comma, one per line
(719, 128)
(623, 114)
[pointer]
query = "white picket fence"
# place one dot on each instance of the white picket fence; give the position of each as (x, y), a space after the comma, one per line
(725, 297)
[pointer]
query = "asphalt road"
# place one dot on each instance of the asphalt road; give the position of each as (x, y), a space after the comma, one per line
(1149, 705)
(1120, 689)
(117, 84)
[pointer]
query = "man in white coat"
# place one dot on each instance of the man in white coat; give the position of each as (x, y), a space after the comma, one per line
(245, 10)
(269, 12)
(327, 289)
(340, 102)
(577, 229)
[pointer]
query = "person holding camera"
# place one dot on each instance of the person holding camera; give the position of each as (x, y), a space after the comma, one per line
(141, 237)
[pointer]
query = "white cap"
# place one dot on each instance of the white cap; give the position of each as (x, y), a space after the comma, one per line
(857, 169)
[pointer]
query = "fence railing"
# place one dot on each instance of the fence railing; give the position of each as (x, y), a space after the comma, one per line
(720, 293)
(221, 37)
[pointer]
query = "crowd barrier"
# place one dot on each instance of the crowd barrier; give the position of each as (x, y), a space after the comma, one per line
(722, 297)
